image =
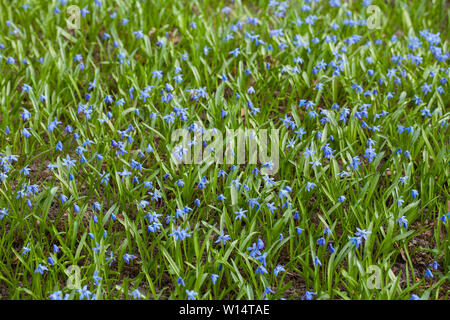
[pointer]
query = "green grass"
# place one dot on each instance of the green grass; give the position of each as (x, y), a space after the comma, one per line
(400, 256)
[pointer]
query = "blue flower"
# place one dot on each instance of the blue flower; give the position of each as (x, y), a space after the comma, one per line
(362, 233)
(308, 295)
(308, 152)
(25, 250)
(235, 52)
(267, 291)
(370, 154)
(84, 11)
(10, 60)
(310, 186)
(261, 270)
(321, 241)
(271, 207)
(50, 261)
(136, 294)
(279, 268)
(221, 197)
(202, 183)
(63, 198)
(96, 278)
(68, 162)
(57, 295)
(403, 180)
(317, 261)
(3, 213)
(355, 163)
(240, 214)
(435, 265)
(214, 278)
(128, 257)
(179, 234)
(356, 241)
(84, 292)
(331, 248)
(403, 222)
(262, 259)
(254, 250)
(253, 202)
(139, 34)
(26, 133)
(426, 88)
(181, 281)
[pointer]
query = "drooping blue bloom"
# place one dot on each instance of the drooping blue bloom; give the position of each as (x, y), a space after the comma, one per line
(214, 278)
(254, 250)
(128, 257)
(317, 261)
(139, 34)
(356, 241)
(310, 186)
(279, 268)
(262, 259)
(308, 295)
(95, 278)
(84, 11)
(240, 214)
(403, 222)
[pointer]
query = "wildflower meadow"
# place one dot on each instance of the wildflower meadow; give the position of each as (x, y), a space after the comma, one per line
(224, 150)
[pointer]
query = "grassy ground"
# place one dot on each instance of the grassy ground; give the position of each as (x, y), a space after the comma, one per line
(90, 198)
